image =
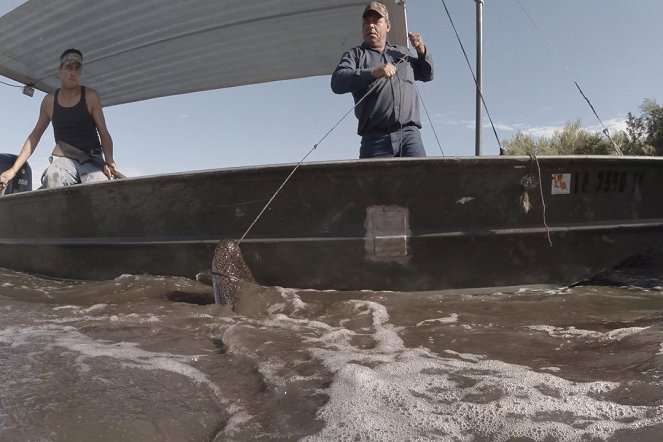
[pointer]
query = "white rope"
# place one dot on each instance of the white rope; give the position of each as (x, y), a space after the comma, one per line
(543, 203)
(371, 88)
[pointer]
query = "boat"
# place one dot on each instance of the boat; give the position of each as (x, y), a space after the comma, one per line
(412, 224)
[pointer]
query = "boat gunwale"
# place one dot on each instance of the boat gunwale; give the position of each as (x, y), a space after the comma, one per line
(353, 164)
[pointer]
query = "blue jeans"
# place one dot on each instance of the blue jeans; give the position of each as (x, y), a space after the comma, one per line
(405, 142)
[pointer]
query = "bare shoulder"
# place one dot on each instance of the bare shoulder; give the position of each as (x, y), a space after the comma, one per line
(91, 94)
(48, 99)
(47, 104)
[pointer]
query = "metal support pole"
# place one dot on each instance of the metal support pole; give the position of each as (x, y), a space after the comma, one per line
(479, 112)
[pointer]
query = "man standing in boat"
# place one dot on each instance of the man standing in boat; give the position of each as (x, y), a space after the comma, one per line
(80, 132)
(388, 115)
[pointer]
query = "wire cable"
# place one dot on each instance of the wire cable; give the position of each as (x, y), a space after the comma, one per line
(476, 83)
(605, 129)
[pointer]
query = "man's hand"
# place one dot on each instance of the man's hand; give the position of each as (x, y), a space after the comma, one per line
(386, 70)
(417, 42)
(110, 170)
(5, 178)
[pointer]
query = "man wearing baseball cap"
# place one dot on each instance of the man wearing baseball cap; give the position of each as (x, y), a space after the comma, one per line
(381, 78)
(84, 148)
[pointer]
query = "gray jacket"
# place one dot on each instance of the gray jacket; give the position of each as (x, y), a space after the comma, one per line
(394, 102)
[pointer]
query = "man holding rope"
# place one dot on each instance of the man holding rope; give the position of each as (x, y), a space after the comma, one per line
(381, 78)
(84, 149)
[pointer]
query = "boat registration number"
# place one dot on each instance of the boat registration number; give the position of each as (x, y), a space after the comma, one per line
(607, 181)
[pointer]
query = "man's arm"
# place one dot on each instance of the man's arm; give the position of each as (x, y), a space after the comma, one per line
(423, 64)
(348, 78)
(106, 141)
(32, 141)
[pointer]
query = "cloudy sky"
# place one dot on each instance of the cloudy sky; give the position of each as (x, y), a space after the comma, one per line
(611, 47)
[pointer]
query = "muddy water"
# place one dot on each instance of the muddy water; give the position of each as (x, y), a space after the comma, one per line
(146, 358)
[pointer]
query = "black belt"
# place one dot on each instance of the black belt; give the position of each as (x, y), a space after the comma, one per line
(398, 126)
(389, 129)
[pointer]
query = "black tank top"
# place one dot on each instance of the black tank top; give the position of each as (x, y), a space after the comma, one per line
(74, 125)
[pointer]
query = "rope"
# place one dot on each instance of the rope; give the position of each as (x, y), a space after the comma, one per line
(400, 108)
(543, 203)
(400, 91)
(429, 119)
(476, 83)
(371, 88)
(605, 129)
(227, 275)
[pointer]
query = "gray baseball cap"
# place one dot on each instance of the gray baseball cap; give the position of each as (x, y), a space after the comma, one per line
(378, 7)
(71, 58)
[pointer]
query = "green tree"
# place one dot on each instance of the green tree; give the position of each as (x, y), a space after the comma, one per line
(525, 144)
(653, 115)
(572, 139)
(644, 132)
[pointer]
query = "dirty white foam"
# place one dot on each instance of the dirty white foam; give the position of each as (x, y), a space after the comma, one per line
(447, 320)
(127, 353)
(572, 332)
(392, 393)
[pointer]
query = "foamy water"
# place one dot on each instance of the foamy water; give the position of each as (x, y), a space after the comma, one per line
(148, 358)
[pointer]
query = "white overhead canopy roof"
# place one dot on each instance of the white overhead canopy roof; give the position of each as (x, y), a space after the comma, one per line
(140, 49)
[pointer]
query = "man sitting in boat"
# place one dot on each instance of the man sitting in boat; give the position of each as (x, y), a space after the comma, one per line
(388, 116)
(78, 125)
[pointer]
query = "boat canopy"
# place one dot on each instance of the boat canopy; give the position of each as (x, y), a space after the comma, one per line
(137, 50)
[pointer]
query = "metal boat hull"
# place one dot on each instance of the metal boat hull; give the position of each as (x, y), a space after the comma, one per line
(405, 225)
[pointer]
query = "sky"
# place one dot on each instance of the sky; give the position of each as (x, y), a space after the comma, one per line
(610, 47)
